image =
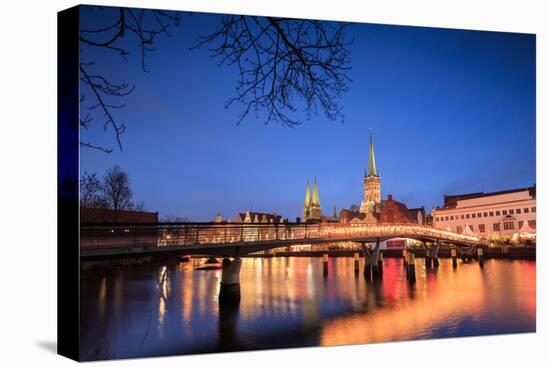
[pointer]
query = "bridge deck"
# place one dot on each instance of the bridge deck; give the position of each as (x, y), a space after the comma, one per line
(233, 239)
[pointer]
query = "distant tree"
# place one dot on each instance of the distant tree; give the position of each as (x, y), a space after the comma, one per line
(91, 191)
(116, 190)
(138, 207)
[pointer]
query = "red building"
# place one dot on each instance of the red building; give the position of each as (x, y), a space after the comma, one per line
(103, 215)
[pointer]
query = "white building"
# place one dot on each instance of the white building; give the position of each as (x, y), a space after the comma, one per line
(491, 214)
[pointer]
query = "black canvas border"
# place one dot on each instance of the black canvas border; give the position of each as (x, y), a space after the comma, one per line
(68, 257)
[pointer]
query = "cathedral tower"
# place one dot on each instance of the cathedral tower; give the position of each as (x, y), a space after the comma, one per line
(312, 205)
(371, 183)
(315, 207)
(307, 203)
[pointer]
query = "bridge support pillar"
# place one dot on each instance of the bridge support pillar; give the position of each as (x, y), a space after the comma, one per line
(375, 262)
(428, 258)
(435, 253)
(325, 264)
(356, 262)
(411, 273)
(367, 257)
(230, 286)
(453, 257)
(480, 257)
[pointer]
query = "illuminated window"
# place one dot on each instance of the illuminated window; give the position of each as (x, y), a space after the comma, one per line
(482, 228)
(532, 224)
(508, 226)
(533, 210)
(496, 227)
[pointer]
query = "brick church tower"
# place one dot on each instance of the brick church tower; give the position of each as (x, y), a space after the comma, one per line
(312, 205)
(371, 182)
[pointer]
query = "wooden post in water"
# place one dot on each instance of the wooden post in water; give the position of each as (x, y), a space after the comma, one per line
(453, 257)
(411, 270)
(325, 264)
(356, 262)
(405, 254)
(480, 256)
(428, 259)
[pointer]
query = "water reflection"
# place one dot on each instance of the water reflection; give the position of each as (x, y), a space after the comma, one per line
(286, 302)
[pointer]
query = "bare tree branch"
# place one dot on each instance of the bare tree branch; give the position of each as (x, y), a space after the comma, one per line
(145, 25)
(285, 65)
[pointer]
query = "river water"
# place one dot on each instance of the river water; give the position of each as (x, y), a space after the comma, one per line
(288, 302)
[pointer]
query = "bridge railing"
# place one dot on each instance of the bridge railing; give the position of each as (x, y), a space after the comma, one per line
(181, 234)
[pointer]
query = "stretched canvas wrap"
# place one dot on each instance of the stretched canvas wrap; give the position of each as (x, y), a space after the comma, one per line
(234, 183)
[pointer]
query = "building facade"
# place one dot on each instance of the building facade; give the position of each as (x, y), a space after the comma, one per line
(104, 215)
(495, 214)
(256, 217)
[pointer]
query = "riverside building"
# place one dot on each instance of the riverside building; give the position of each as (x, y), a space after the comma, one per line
(506, 213)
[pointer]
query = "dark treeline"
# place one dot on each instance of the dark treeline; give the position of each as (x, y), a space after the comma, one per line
(112, 191)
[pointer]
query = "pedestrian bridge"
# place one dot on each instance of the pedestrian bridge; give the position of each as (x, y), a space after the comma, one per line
(237, 239)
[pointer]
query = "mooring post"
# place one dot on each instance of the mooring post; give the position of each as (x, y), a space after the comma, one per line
(405, 255)
(356, 262)
(230, 285)
(453, 257)
(411, 270)
(325, 264)
(480, 256)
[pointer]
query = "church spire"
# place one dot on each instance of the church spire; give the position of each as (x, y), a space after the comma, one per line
(308, 196)
(372, 162)
(315, 195)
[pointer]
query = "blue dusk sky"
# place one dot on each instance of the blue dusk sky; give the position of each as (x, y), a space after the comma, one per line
(452, 112)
